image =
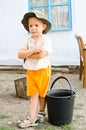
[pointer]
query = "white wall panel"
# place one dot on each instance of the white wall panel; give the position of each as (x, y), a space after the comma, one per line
(12, 33)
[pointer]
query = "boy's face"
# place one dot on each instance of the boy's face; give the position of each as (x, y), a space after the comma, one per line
(36, 27)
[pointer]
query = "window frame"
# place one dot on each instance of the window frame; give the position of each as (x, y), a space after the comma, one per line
(49, 7)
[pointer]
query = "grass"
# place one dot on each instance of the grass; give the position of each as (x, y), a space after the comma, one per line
(66, 127)
(3, 116)
(5, 128)
(79, 116)
(79, 106)
(44, 127)
(53, 127)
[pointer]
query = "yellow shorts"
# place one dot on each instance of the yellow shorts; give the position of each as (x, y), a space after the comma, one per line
(38, 81)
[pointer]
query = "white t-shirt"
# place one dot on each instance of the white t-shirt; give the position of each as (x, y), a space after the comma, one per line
(35, 64)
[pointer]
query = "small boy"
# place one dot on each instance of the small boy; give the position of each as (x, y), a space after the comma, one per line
(36, 50)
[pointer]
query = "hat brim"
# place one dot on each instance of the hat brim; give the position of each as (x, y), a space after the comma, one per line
(31, 14)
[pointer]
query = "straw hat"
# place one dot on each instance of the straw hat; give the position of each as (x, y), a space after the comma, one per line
(38, 15)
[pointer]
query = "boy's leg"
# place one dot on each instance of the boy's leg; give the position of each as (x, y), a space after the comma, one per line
(32, 119)
(43, 85)
(41, 113)
(34, 100)
(32, 91)
(42, 102)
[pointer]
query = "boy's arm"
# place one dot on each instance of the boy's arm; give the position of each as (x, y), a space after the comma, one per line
(32, 53)
(39, 55)
(25, 53)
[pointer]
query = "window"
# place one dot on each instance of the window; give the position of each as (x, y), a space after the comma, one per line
(58, 12)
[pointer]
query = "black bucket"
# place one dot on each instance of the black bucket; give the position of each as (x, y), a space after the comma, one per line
(60, 103)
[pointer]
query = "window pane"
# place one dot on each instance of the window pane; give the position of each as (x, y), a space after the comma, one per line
(58, 12)
(60, 17)
(44, 10)
(59, 1)
(39, 2)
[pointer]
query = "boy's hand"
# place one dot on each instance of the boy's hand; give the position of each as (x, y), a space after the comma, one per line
(38, 53)
(38, 50)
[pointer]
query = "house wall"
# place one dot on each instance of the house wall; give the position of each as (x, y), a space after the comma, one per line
(12, 34)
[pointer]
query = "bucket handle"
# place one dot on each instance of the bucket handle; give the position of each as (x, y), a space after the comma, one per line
(62, 77)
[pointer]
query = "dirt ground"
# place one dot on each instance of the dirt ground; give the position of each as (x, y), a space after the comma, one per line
(14, 108)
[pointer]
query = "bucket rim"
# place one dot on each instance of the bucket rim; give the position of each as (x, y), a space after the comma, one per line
(50, 92)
